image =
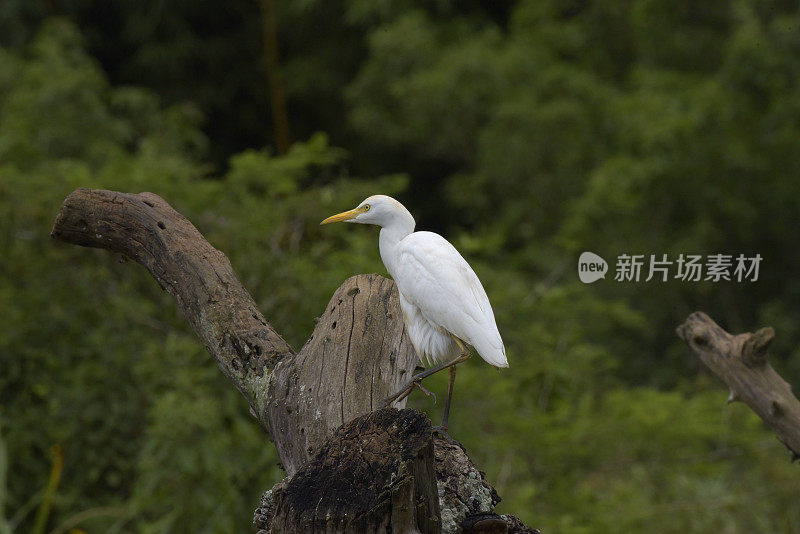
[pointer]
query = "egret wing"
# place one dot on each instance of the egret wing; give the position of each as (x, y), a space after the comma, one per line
(435, 278)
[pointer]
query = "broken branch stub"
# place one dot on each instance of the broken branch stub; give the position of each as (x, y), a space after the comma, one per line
(741, 361)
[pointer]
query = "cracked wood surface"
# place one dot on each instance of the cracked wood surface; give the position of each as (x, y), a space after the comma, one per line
(741, 362)
(357, 355)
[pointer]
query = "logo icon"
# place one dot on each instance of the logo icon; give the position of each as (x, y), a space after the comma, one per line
(591, 267)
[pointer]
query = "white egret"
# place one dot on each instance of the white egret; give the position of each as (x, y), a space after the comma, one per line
(444, 304)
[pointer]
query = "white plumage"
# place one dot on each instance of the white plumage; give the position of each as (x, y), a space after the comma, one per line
(440, 294)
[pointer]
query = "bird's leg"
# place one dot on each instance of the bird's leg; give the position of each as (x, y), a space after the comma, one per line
(446, 413)
(463, 356)
(406, 391)
(414, 382)
(417, 378)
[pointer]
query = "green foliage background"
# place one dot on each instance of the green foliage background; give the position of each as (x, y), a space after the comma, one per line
(526, 132)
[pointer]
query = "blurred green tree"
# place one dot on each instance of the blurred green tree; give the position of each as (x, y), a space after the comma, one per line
(95, 357)
(528, 132)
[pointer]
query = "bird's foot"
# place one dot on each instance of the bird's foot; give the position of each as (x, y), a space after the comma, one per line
(442, 432)
(426, 391)
(405, 391)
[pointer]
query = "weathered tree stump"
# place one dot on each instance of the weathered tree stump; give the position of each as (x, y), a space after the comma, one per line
(384, 467)
(353, 485)
(741, 361)
(356, 356)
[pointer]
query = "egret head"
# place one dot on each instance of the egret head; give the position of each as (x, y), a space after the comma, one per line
(377, 209)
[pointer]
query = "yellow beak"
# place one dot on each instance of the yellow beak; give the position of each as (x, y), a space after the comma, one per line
(344, 216)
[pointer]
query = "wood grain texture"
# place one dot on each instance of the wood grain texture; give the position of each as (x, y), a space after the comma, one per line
(741, 361)
(357, 355)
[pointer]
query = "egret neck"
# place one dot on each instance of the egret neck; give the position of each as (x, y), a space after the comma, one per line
(393, 230)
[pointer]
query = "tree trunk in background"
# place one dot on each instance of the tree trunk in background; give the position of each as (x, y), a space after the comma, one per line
(277, 96)
(350, 469)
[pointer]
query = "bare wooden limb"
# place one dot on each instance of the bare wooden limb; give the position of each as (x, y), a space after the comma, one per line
(741, 362)
(222, 313)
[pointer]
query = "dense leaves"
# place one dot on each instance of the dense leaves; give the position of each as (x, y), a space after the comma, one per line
(527, 133)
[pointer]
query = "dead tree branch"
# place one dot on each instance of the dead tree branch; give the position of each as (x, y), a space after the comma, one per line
(221, 312)
(356, 355)
(741, 362)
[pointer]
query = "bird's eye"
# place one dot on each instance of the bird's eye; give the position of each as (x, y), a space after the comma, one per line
(366, 207)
